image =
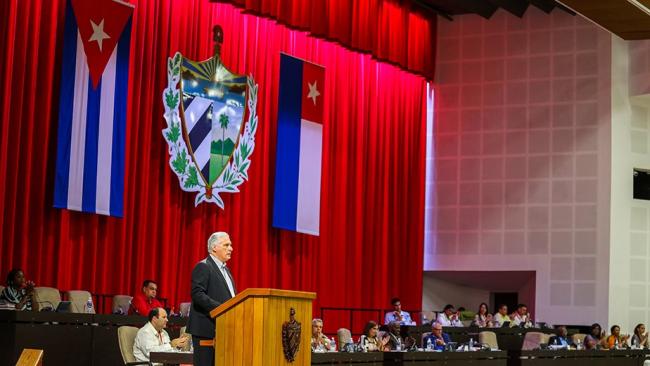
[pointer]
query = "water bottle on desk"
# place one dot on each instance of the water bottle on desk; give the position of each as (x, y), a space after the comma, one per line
(471, 344)
(332, 345)
(350, 346)
(429, 345)
(89, 305)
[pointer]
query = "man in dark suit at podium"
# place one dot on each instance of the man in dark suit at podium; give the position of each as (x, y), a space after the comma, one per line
(212, 285)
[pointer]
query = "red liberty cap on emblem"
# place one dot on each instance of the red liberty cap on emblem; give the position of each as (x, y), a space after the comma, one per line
(100, 24)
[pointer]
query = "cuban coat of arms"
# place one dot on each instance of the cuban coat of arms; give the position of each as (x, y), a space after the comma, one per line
(209, 143)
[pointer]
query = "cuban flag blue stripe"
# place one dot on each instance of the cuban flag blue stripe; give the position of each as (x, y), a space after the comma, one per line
(65, 109)
(288, 144)
(90, 155)
(89, 175)
(119, 123)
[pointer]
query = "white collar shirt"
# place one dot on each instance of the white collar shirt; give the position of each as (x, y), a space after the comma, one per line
(224, 272)
(149, 340)
(446, 322)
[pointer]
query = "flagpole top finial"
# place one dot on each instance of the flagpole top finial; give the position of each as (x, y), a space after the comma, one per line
(218, 39)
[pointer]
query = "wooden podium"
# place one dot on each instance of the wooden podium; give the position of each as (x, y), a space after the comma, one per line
(249, 327)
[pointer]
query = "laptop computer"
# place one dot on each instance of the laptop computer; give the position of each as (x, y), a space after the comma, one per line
(64, 307)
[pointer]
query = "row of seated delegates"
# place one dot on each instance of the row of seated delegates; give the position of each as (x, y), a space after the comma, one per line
(369, 340)
(145, 301)
(598, 339)
(519, 318)
(19, 293)
(153, 337)
(398, 315)
(389, 341)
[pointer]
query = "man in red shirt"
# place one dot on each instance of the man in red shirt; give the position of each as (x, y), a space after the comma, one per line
(146, 301)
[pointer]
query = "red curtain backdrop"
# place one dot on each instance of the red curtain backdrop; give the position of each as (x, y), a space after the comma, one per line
(396, 31)
(370, 246)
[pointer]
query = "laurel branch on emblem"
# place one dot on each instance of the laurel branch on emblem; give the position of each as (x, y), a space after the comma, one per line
(236, 171)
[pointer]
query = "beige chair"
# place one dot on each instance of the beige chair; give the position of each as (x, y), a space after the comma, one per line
(578, 338)
(78, 298)
(545, 338)
(424, 335)
(489, 338)
(184, 309)
(343, 337)
(532, 341)
(121, 304)
(2, 288)
(126, 338)
(47, 297)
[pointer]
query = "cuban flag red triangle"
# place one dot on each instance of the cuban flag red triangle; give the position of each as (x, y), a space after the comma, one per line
(100, 23)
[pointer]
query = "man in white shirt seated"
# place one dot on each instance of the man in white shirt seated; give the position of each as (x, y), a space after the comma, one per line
(449, 317)
(521, 318)
(397, 315)
(153, 337)
(502, 317)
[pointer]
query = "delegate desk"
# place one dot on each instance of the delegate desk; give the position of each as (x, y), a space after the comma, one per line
(508, 338)
(68, 339)
(573, 358)
(496, 358)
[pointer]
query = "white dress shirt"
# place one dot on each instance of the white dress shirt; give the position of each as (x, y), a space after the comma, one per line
(149, 340)
(446, 322)
(521, 319)
(501, 319)
(224, 272)
(406, 318)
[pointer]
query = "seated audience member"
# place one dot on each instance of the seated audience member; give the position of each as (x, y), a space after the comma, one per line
(640, 337)
(397, 314)
(319, 342)
(395, 342)
(595, 338)
(19, 293)
(616, 340)
(449, 317)
(438, 339)
(370, 340)
(153, 337)
(560, 339)
(483, 318)
(501, 317)
(145, 301)
(521, 318)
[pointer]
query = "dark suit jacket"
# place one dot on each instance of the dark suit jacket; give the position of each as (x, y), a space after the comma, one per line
(209, 290)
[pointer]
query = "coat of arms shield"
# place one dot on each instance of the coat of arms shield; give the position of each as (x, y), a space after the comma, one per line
(209, 143)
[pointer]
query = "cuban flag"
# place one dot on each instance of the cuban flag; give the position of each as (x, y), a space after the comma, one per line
(89, 173)
(299, 150)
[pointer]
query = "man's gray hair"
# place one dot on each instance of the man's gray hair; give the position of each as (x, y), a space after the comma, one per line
(316, 321)
(214, 238)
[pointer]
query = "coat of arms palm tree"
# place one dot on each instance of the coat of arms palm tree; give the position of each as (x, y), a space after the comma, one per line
(223, 122)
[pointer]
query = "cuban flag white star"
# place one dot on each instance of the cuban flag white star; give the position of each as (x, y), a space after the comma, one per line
(313, 91)
(98, 34)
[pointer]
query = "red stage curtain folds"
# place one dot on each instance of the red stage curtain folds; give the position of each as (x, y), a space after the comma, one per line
(370, 247)
(396, 31)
